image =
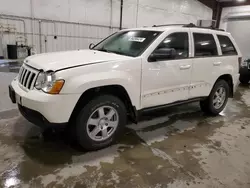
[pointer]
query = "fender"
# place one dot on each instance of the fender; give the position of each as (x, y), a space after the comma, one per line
(229, 70)
(80, 79)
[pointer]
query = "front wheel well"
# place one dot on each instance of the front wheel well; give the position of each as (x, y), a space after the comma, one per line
(115, 90)
(229, 79)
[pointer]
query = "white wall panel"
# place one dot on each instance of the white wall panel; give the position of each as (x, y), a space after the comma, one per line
(15, 7)
(116, 12)
(240, 31)
(96, 12)
(232, 10)
(129, 13)
(69, 35)
(238, 27)
(171, 11)
(51, 9)
(84, 11)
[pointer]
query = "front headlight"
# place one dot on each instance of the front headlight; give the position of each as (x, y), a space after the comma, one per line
(47, 82)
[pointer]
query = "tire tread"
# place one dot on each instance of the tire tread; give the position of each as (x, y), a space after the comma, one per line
(207, 106)
(81, 134)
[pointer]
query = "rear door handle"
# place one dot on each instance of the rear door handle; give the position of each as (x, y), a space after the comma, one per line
(183, 67)
(217, 63)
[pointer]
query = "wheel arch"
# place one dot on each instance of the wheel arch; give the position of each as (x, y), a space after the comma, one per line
(115, 90)
(229, 79)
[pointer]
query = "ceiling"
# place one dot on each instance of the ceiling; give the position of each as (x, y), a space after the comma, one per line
(225, 0)
(224, 3)
(230, 3)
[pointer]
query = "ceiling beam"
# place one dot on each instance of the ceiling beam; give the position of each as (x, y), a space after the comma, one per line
(234, 3)
(216, 7)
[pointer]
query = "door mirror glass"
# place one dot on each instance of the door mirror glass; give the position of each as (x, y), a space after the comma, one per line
(91, 46)
(163, 54)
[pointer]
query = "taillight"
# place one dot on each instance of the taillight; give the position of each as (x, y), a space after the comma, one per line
(240, 61)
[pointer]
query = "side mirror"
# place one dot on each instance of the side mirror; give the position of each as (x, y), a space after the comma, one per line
(162, 54)
(91, 46)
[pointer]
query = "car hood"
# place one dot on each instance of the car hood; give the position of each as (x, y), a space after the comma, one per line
(62, 60)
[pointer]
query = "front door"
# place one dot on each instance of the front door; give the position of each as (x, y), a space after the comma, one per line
(167, 80)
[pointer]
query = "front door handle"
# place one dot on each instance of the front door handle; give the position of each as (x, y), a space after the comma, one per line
(183, 67)
(217, 63)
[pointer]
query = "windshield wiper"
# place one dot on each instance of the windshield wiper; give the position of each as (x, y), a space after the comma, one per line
(104, 50)
(120, 53)
(113, 52)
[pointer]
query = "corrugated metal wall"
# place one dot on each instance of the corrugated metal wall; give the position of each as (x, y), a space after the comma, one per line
(96, 20)
(51, 36)
(70, 36)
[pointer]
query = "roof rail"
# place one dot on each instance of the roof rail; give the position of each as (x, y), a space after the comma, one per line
(168, 25)
(190, 25)
(194, 26)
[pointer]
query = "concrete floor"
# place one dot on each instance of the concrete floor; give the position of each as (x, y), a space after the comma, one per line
(176, 148)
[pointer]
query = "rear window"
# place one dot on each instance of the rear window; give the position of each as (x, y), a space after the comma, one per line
(205, 45)
(227, 46)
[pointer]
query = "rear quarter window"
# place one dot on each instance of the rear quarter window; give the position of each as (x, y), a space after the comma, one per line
(226, 45)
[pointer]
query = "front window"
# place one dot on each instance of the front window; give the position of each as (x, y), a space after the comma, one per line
(129, 43)
(177, 42)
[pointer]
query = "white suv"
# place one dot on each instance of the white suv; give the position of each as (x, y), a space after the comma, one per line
(95, 91)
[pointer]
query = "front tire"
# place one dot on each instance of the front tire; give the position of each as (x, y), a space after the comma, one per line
(217, 99)
(100, 122)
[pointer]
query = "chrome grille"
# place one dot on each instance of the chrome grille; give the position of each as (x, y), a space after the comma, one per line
(27, 77)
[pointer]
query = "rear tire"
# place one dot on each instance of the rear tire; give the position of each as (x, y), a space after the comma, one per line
(217, 99)
(100, 122)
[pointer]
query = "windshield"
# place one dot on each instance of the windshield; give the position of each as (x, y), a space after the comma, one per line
(129, 43)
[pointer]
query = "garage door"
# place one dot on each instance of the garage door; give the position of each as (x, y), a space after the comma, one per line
(240, 29)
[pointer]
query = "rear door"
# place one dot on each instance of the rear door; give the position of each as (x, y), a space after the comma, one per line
(206, 61)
